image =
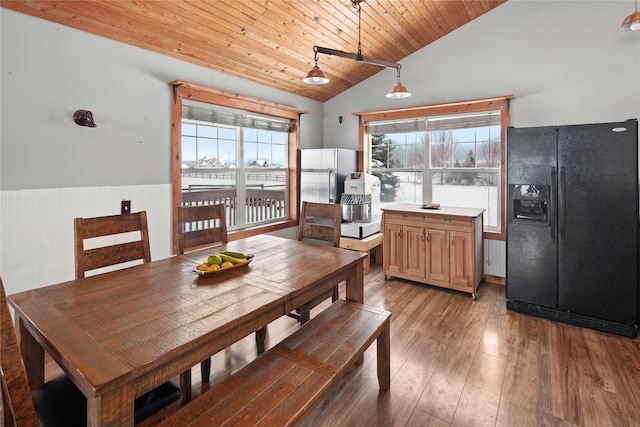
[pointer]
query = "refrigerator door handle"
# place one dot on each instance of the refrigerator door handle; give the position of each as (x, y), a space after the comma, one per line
(561, 204)
(332, 186)
(552, 207)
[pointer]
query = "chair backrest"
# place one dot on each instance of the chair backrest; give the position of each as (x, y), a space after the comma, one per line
(89, 228)
(17, 405)
(320, 221)
(200, 226)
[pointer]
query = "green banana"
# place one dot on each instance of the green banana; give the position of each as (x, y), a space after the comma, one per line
(238, 255)
(232, 260)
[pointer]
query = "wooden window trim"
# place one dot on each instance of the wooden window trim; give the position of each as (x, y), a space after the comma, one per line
(496, 103)
(193, 91)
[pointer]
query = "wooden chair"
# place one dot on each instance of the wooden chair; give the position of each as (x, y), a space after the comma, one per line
(57, 402)
(318, 221)
(132, 249)
(88, 228)
(198, 227)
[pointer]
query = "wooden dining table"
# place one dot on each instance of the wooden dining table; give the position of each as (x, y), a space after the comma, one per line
(122, 333)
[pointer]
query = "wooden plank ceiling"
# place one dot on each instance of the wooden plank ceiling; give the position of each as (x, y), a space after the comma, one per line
(268, 41)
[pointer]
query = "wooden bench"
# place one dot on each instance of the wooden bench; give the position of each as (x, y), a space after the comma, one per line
(284, 385)
(367, 244)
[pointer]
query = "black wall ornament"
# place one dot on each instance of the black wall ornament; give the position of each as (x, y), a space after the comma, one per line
(84, 118)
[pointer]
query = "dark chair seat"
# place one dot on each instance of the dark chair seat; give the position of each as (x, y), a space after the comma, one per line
(59, 403)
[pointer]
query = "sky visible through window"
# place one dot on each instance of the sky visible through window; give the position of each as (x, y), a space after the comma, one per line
(216, 146)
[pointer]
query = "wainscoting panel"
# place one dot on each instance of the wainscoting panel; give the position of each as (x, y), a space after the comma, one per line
(36, 233)
(495, 258)
(36, 244)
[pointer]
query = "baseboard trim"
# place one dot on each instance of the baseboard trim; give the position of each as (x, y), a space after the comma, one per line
(574, 319)
(495, 279)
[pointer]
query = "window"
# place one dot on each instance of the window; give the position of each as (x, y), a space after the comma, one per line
(443, 154)
(235, 150)
(229, 156)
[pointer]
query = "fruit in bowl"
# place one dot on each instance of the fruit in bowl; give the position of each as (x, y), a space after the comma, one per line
(214, 259)
(223, 260)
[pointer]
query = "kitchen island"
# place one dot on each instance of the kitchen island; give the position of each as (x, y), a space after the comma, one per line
(441, 247)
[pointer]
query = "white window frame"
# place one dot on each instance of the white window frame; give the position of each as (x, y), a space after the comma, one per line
(500, 104)
(183, 90)
(240, 170)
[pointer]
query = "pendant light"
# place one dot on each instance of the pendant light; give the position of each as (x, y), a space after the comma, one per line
(316, 76)
(631, 22)
(398, 90)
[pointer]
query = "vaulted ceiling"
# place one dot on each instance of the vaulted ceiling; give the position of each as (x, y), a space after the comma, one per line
(268, 41)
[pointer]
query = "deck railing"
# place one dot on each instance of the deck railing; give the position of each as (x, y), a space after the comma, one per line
(260, 204)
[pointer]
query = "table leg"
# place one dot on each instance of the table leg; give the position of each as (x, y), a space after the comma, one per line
(185, 385)
(384, 358)
(355, 289)
(111, 409)
(261, 335)
(32, 355)
(355, 283)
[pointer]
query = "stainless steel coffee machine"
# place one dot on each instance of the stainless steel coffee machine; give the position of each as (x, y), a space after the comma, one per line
(360, 201)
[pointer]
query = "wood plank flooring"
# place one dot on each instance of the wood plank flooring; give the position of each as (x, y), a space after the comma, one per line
(459, 362)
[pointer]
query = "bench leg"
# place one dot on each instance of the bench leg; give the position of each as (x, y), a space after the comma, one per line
(379, 255)
(384, 358)
(367, 263)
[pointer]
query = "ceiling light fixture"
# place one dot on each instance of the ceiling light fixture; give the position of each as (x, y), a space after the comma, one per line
(316, 76)
(631, 22)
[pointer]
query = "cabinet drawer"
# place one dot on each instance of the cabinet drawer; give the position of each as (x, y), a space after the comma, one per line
(429, 219)
(464, 222)
(396, 216)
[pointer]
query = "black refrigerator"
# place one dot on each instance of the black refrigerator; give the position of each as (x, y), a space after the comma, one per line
(572, 224)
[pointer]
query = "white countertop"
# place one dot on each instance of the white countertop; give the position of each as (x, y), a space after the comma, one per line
(442, 210)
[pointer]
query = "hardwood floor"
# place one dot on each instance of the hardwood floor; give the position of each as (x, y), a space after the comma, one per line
(459, 362)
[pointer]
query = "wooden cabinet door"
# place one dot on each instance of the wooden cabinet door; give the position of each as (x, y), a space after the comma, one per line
(392, 248)
(437, 255)
(414, 249)
(462, 259)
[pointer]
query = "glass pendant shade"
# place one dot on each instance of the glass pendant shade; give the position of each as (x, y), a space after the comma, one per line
(316, 76)
(398, 91)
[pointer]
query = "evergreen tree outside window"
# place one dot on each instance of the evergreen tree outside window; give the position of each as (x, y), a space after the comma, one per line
(452, 159)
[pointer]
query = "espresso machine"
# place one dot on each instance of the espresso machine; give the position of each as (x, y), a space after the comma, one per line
(360, 202)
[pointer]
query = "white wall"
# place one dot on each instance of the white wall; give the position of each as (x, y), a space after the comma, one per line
(52, 170)
(562, 60)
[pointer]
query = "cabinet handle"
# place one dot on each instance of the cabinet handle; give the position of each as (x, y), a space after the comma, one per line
(399, 234)
(427, 236)
(422, 236)
(451, 240)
